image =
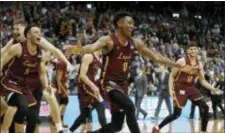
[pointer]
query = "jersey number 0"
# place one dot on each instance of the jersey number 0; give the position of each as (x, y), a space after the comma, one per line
(125, 65)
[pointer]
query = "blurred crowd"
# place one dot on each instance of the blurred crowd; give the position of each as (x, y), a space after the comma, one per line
(167, 29)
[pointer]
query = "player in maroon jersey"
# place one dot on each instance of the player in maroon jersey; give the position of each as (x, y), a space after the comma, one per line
(118, 50)
(33, 82)
(9, 110)
(18, 36)
(27, 56)
(61, 82)
(89, 94)
(182, 87)
(24, 56)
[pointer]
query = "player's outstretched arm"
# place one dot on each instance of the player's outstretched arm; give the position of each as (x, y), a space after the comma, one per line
(99, 44)
(155, 56)
(46, 45)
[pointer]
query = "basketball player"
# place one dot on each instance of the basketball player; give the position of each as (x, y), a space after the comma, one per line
(89, 94)
(118, 51)
(18, 36)
(182, 87)
(19, 27)
(62, 86)
(27, 55)
(9, 111)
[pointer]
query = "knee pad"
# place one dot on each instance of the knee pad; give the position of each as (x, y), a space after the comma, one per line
(22, 111)
(64, 100)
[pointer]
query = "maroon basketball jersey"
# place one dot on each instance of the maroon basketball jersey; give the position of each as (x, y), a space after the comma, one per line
(93, 69)
(62, 66)
(116, 63)
(187, 78)
(25, 66)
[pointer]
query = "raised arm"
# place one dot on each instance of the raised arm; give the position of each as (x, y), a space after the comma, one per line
(13, 51)
(155, 56)
(99, 44)
(46, 45)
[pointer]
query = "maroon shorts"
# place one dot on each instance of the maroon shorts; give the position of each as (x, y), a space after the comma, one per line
(110, 86)
(86, 96)
(29, 97)
(33, 84)
(183, 93)
(10, 86)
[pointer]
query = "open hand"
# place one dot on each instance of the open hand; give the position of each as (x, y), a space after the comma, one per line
(218, 91)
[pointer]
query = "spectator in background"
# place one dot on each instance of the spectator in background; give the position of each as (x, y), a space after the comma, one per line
(140, 85)
(217, 82)
(163, 90)
(136, 63)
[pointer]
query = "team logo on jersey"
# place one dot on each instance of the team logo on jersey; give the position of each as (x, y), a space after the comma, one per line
(30, 64)
(124, 57)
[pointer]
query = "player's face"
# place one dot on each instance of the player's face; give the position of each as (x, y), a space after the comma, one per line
(127, 26)
(35, 35)
(18, 30)
(192, 51)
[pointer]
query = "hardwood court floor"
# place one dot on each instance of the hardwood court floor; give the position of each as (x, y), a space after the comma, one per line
(181, 125)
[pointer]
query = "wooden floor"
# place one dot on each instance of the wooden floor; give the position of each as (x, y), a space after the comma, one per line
(181, 125)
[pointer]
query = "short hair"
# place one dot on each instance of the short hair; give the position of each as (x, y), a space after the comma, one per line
(191, 44)
(28, 28)
(19, 21)
(120, 15)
